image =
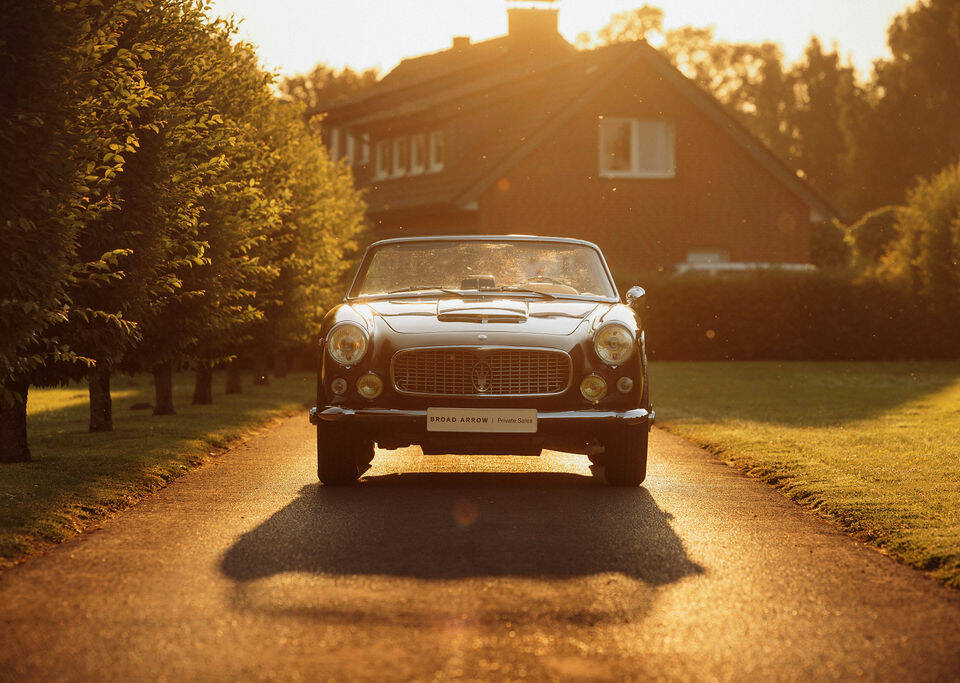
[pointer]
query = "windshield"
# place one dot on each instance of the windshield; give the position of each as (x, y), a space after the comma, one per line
(548, 269)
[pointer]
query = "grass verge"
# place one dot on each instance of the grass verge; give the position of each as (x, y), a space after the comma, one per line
(77, 477)
(875, 446)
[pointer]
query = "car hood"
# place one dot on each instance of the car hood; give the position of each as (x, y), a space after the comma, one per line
(418, 316)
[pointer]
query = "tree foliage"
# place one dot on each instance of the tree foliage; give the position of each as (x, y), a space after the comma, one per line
(325, 86)
(162, 204)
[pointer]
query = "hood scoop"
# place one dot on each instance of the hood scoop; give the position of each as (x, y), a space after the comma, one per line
(481, 312)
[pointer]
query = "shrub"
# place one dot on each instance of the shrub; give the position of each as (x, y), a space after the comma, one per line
(769, 315)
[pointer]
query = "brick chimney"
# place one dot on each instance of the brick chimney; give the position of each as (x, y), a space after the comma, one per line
(461, 42)
(531, 25)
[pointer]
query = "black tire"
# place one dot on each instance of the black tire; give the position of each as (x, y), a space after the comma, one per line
(341, 457)
(625, 457)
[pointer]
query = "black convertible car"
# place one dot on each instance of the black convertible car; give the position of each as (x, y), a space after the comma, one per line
(483, 345)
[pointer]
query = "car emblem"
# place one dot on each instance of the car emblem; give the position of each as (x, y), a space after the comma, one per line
(482, 374)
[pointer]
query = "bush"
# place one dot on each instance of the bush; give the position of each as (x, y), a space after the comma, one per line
(787, 316)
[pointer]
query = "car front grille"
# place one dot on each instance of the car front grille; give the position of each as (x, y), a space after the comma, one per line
(458, 371)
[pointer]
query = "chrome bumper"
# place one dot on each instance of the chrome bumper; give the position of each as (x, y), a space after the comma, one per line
(636, 417)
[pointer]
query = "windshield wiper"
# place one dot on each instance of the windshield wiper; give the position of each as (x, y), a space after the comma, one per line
(524, 290)
(425, 288)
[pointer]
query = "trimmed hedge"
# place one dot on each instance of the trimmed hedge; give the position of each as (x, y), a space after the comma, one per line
(770, 315)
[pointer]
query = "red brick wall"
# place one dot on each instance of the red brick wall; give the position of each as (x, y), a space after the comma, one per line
(721, 197)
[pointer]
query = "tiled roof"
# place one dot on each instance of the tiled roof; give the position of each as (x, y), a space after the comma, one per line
(494, 118)
(500, 101)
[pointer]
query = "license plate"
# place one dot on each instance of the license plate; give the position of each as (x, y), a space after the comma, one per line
(502, 421)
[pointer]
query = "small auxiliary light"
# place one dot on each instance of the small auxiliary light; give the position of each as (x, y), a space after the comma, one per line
(339, 386)
(624, 385)
(593, 388)
(369, 386)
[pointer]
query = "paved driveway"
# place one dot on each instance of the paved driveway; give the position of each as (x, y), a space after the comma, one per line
(476, 567)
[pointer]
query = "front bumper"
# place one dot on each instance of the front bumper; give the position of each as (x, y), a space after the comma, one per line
(417, 419)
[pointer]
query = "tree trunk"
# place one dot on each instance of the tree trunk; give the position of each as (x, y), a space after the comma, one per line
(163, 386)
(280, 364)
(234, 379)
(101, 404)
(13, 423)
(203, 386)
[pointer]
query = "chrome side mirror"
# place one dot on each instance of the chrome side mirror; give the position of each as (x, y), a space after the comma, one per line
(634, 293)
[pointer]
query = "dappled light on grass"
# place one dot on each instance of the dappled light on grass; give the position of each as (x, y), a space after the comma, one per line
(77, 476)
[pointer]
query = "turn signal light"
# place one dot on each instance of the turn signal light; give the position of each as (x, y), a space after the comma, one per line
(339, 386)
(369, 386)
(593, 388)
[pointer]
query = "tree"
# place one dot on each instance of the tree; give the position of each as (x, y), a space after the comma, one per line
(925, 255)
(324, 86)
(322, 217)
(67, 88)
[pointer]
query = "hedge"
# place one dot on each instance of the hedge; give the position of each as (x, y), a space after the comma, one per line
(769, 315)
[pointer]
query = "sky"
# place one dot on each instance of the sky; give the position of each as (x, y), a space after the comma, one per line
(294, 35)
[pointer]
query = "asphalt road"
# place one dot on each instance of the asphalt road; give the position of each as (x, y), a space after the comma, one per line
(479, 567)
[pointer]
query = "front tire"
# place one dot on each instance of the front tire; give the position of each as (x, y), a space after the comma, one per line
(625, 457)
(341, 456)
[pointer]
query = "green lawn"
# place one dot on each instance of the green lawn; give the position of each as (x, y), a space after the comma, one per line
(78, 477)
(875, 446)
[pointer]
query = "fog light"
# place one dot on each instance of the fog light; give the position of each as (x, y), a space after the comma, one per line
(369, 386)
(593, 388)
(624, 384)
(339, 386)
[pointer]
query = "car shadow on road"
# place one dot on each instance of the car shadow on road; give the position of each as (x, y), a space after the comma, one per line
(459, 525)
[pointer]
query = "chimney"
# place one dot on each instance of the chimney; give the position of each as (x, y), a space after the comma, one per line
(531, 25)
(461, 42)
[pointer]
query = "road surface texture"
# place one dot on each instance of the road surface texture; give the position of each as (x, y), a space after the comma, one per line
(479, 567)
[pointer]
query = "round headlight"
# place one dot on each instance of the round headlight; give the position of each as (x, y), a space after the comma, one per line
(369, 386)
(613, 344)
(347, 344)
(593, 388)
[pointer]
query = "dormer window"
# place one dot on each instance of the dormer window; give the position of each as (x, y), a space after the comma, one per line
(438, 151)
(418, 153)
(637, 148)
(382, 153)
(401, 155)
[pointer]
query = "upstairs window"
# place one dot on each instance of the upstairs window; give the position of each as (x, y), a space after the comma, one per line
(401, 156)
(637, 148)
(383, 159)
(438, 151)
(365, 149)
(418, 153)
(351, 148)
(335, 144)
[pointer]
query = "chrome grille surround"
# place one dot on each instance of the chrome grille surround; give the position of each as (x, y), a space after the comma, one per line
(458, 371)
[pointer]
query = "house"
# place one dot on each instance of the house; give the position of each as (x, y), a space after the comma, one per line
(525, 134)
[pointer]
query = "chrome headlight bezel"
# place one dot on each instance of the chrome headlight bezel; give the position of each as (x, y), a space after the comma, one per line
(336, 334)
(619, 355)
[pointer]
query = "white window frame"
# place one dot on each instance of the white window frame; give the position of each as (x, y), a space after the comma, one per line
(335, 144)
(635, 170)
(382, 169)
(365, 149)
(398, 169)
(435, 161)
(351, 145)
(418, 140)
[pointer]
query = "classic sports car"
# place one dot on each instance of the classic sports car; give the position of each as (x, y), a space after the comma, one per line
(485, 345)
